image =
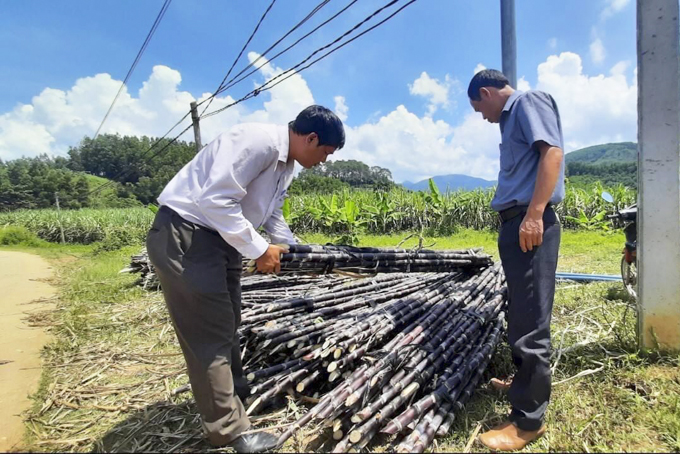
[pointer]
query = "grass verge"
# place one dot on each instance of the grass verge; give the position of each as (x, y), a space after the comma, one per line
(110, 374)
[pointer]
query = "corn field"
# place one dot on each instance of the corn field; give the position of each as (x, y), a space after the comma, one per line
(350, 211)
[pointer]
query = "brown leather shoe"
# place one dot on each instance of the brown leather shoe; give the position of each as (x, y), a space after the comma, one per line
(509, 437)
(501, 384)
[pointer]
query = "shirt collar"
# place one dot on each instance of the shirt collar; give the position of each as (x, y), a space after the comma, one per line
(284, 143)
(511, 100)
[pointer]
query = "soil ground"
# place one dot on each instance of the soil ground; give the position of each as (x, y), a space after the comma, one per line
(24, 292)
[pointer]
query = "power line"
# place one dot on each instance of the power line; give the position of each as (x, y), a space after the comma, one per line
(220, 89)
(233, 81)
(155, 25)
(240, 53)
(267, 86)
(348, 32)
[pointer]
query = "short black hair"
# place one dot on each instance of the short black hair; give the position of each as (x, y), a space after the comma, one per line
(323, 122)
(486, 78)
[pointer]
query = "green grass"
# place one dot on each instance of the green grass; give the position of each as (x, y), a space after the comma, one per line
(580, 251)
(115, 357)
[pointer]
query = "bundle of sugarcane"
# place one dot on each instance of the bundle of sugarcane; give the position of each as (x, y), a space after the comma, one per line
(255, 288)
(261, 289)
(315, 259)
(368, 349)
(141, 264)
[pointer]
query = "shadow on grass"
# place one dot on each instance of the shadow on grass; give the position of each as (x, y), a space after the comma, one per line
(159, 427)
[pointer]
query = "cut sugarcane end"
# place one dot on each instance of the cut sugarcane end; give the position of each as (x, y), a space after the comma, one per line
(355, 436)
(352, 399)
(254, 406)
(410, 389)
(357, 418)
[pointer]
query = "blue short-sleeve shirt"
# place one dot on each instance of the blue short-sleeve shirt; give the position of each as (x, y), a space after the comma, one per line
(527, 118)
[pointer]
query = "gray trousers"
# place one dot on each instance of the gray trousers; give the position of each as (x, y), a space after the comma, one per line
(200, 275)
(531, 290)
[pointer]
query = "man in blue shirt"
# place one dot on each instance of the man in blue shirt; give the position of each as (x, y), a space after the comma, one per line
(530, 183)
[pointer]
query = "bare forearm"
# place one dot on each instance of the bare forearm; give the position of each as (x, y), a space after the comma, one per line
(548, 172)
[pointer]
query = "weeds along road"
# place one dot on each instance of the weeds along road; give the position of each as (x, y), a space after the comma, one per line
(22, 280)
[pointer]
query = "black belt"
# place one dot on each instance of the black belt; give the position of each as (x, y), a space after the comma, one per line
(171, 212)
(515, 211)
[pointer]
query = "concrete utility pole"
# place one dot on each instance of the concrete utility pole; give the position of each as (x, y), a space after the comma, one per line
(658, 174)
(509, 41)
(197, 128)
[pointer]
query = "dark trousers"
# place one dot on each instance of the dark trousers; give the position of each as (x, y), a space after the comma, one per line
(200, 275)
(531, 290)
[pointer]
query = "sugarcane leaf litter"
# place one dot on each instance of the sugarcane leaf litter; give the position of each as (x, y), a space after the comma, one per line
(398, 352)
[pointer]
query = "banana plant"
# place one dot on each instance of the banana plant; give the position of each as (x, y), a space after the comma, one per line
(380, 215)
(344, 219)
(596, 222)
(435, 205)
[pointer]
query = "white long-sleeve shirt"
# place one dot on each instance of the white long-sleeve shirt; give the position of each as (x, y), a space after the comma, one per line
(237, 184)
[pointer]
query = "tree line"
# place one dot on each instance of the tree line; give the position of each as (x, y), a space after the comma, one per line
(132, 178)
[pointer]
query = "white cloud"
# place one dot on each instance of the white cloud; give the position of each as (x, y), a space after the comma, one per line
(597, 51)
(594, 109)
(523, 84)
(552, 43)
(435, 91)
(613, 7)
(478, 68)
(620, 68)
(341, 108)
(57, 119)
(414, 147)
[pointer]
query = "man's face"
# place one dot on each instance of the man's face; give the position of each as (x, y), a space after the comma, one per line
(313, 154)
(488, 106)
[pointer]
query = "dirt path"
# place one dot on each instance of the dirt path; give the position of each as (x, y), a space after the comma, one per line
(21, 283)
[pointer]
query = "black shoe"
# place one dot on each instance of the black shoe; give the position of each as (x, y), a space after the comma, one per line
(255, 442)
(243, 392)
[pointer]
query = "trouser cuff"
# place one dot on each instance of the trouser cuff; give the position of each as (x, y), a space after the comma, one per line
(520, 420)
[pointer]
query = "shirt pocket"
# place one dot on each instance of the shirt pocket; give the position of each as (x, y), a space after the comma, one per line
(507, 158)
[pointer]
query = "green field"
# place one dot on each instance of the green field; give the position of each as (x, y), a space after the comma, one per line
(343, 216)
(108, 374)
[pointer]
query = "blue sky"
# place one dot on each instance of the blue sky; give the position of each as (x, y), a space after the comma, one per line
(401, 87)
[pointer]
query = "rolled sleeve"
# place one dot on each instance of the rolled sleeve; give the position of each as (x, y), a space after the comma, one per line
(277, 227)
(539, 119)
(238, 159)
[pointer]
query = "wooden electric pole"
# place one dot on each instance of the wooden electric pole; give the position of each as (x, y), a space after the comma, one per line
(61, 228)
(197, 128)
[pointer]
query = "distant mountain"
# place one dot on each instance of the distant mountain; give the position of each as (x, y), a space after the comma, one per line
(605, 154)
(452, 182)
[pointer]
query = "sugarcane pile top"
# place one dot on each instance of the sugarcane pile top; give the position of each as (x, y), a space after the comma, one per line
(318, 259)
(255, 288)
(394, 353)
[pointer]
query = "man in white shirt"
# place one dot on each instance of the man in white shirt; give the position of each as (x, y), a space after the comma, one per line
(209, 216)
